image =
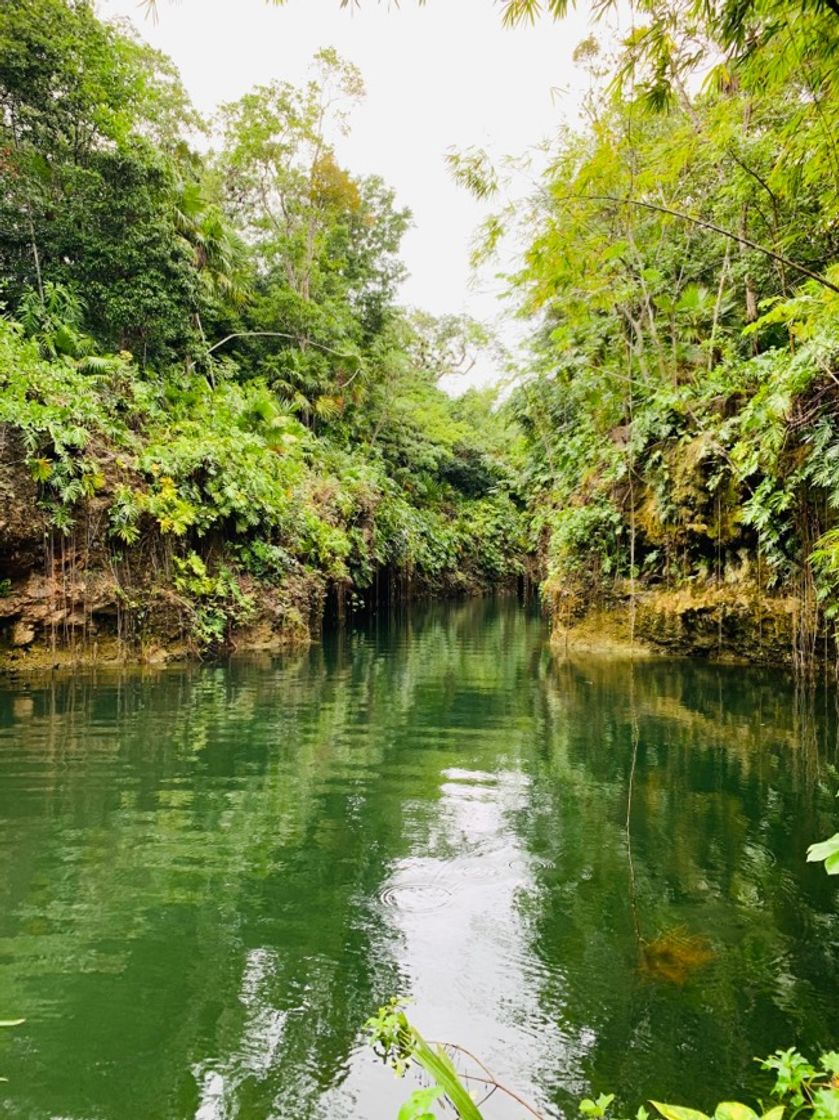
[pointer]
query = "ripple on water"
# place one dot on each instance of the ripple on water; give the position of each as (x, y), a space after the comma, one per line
(416, 898)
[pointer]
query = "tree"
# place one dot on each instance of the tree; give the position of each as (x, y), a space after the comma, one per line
(324, 243)
(93, 164)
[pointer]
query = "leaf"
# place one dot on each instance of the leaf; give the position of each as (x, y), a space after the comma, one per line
(41, 469)
(677, 1112)
(830, 1062)
(11, 1022)
(597, 1108)
(774, 1113)
(733, 1110)
(438, 1064)
(828, 852)
(827, 1104)
(417, 1106)
(616, 250)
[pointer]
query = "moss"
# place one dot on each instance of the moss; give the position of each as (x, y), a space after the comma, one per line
(604, 632)
(728, 622)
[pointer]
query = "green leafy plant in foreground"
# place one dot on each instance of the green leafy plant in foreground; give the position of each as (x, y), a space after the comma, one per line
(215, 601)
(827, 852)
(400, 1044)
(801, 1088)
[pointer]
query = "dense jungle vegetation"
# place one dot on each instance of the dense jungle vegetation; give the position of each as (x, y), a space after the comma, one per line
(217, 421)
(680, 413)
(214, 408)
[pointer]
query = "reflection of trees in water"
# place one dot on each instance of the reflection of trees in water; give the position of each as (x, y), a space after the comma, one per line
(186, 858)
(191, 862)
(723, 766)
(214, 840)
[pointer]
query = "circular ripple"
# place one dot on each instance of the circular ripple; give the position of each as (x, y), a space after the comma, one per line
(416, 898)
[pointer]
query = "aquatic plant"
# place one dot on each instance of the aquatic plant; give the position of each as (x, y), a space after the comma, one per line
(805, 1089)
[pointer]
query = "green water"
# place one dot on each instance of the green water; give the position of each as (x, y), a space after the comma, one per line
(210, 876)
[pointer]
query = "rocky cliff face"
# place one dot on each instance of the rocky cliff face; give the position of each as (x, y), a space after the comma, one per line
(730, 622)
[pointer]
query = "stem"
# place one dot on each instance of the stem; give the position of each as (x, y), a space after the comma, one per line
(490, 1078)
(718, 306)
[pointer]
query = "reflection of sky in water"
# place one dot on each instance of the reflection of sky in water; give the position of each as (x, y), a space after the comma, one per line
(211, 876)
(466, 958)
(261, 1039)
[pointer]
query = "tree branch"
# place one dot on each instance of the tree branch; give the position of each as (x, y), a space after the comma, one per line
(705, 224)
(281, 334)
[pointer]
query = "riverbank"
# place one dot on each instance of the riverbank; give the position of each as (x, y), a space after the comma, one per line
(112, 653)
(82, 614)
(729, 623)
(52, 624)
(199, 518)
(90, 619)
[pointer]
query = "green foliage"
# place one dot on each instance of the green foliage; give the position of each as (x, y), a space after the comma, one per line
(417, 1106)
(579, 533)
(598, 1108)
(826, 852)
(399, 1044)
(203, 355)
(678, 406)
(216, 601)
(249, 379)
(181, 461)
(804, 1088)
(93, 165)
(809, 1089)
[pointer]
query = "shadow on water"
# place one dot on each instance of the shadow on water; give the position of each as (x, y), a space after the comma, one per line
(590, 873)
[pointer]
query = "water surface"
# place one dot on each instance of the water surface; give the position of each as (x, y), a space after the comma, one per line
(210, 876)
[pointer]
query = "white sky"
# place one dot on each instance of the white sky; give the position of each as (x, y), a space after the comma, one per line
(445, 74)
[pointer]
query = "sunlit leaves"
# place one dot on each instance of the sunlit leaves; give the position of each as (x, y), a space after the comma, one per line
(677, 1112)
(400, 1044)
(418, 1105)
(826, 852)
(596, 1108)
(734, 1110)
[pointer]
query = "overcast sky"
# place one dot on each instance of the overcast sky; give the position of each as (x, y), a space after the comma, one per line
(442, 75)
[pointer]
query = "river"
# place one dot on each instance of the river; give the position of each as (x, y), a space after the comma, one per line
(590, 873)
